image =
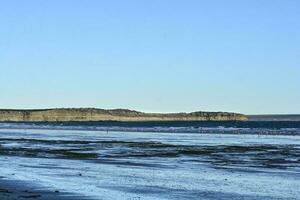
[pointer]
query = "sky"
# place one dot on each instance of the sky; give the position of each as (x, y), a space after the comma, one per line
(151, 55)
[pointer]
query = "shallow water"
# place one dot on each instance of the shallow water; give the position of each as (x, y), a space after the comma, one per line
(145, 165)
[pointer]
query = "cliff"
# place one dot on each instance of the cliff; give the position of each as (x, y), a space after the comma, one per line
(91, 114)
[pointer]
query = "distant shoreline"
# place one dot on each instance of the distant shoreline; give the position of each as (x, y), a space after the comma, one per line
(294, 117)
(122, 115)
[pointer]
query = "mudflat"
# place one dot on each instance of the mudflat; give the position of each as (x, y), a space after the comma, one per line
(147, 165)
(13, 190)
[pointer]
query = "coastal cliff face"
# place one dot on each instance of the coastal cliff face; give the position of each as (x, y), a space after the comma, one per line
(91, 114)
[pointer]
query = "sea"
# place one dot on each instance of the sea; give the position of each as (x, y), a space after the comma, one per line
(155, 160)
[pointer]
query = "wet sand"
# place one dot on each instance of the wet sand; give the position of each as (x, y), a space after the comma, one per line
(148, 166)
(15, 190)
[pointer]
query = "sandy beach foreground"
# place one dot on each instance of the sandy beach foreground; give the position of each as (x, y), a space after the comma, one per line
(13, 190)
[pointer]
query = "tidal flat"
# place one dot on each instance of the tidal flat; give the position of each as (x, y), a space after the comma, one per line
(79, 164)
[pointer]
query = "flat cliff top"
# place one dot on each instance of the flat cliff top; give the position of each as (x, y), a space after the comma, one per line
(94, 114)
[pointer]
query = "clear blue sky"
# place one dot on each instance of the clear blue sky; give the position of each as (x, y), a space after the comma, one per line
(151, 55)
